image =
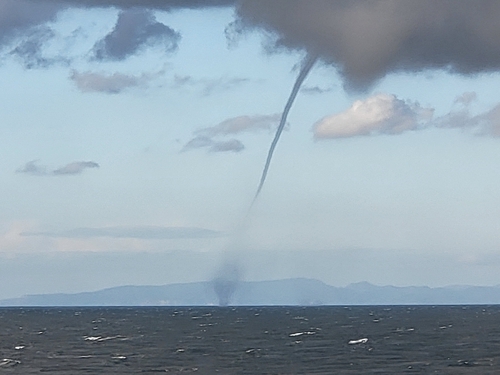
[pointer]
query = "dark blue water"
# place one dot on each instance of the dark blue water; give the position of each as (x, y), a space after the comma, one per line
(251, 340)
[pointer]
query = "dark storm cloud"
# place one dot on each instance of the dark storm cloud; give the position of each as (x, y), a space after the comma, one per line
(154, 4)
(30, 49)
(365, 40)
(140, 232)
(135, 28)
(16, 16)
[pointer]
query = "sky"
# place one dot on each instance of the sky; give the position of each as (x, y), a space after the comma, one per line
(134, 134)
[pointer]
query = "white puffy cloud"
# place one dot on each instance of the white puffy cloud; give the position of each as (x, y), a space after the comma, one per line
(378, 114)
(386, 114)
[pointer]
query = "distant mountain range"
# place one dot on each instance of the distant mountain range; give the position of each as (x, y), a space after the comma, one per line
(278, 292)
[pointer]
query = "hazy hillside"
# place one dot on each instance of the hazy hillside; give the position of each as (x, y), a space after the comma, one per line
(278, 292)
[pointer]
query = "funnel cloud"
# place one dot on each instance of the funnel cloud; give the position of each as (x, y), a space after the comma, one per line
(304, 71)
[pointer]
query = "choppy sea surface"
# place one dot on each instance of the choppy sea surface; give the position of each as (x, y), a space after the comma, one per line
(251, 340)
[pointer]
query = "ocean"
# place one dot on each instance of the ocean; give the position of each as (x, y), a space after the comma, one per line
(251, 340)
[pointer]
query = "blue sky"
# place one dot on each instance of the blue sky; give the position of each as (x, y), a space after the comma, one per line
(148, 158)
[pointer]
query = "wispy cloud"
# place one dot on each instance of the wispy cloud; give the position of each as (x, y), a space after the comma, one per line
(74, 168)
(241, 124)
(466, 98)
(33, 168)
(139, 232)
(210, 137)
(11, 240)
(135, 29)
(231, 145)
(485, 124)
(222, 84)
(208, 86)
(110, 83)
(315, 90)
